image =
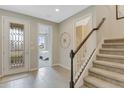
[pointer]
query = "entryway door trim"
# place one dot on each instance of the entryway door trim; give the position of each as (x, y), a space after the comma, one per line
(28, 49)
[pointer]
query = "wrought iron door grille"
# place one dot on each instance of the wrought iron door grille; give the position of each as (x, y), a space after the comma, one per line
(16, 42)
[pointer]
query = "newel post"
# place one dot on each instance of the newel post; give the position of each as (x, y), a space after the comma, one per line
(72, 57)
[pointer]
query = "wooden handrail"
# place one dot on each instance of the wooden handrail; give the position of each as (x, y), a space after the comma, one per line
(73, 53)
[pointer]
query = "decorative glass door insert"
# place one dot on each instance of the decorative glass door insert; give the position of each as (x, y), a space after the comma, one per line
(16, 45)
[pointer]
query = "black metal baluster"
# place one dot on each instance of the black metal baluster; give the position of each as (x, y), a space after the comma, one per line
(72, 57)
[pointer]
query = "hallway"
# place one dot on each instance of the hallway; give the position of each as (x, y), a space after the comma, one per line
(55, 77)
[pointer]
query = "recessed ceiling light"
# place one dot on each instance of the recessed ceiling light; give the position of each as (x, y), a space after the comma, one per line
(57, 10)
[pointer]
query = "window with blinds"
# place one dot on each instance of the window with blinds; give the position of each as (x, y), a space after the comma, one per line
(16, 42)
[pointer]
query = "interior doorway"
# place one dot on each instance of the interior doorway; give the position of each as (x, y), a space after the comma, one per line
(44, 46)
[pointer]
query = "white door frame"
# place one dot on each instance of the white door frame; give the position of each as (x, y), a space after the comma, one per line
(27, 50)
(50, 41)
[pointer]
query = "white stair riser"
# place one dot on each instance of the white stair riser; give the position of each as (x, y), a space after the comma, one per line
(112, 52)
(113, 46)
(114, 41)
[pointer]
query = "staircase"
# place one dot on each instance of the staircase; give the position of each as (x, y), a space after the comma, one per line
(108, 68)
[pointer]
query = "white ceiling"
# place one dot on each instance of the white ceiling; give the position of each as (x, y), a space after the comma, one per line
(46, 11)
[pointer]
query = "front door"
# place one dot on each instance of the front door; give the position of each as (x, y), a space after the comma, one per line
(15, 45)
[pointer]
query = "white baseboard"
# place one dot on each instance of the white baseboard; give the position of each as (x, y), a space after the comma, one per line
(33, 69)
(55, 65)
(61, 66)
(64, 66)
(1, 76)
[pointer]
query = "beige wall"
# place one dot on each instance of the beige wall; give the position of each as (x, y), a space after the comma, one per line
(33, 34)
(112, 28)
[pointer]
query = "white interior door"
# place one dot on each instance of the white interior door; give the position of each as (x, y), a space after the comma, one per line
(15, 45)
